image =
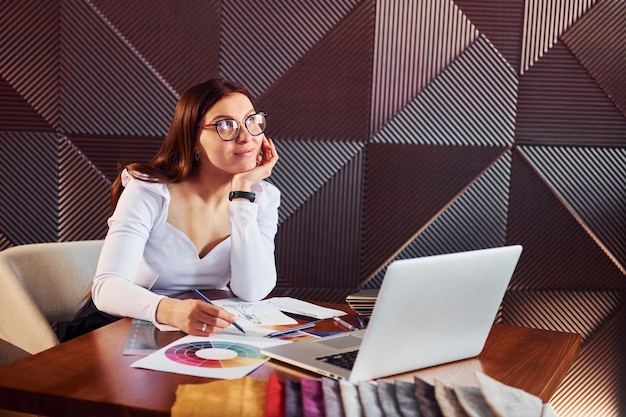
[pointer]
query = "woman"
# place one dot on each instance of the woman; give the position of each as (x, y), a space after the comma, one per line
(198, 216)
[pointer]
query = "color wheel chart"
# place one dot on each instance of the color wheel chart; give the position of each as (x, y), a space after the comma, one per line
(215, 354)
(220, 356)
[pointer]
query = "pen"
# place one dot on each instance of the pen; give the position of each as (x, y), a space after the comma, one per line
(291, 329)
(361, 322)
(344, 323)
(211, 302)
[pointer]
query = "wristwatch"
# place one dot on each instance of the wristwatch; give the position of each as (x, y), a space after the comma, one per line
(241, 194)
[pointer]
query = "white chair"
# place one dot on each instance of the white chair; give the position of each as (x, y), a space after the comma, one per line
(42, 284)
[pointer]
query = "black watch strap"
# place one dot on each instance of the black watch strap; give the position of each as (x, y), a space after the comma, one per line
(242, 194)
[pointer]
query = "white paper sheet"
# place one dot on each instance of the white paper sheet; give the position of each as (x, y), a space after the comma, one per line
(304, 308)
(252, 314)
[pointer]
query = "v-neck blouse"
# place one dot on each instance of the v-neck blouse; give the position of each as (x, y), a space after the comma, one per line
(145, 258)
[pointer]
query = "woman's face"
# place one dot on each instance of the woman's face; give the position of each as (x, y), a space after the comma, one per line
(237, 155)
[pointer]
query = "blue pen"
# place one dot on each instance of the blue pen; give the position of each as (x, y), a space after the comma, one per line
(291, 329)
(211, 302)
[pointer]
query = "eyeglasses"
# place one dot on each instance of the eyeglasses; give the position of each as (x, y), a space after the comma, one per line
(228, 129)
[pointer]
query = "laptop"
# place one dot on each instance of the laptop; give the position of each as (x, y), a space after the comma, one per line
(429, 311)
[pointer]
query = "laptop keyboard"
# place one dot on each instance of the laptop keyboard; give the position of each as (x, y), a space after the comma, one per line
(343, 360)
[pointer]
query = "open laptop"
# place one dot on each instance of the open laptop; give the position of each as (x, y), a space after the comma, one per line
(429, 311)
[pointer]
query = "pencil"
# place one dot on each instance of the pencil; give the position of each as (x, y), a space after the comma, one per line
(211, 302)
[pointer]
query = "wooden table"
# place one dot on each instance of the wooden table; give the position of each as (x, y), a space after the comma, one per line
(90, 375)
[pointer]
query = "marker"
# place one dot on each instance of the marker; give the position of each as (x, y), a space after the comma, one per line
(291, 329)
(211, 302)
(344, 324)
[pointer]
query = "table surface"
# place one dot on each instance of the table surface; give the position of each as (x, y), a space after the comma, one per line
(90, 375)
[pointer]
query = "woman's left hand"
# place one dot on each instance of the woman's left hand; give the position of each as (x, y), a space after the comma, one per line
(266, 161)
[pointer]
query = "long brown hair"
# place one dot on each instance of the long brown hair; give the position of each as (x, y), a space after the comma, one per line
(174, 162)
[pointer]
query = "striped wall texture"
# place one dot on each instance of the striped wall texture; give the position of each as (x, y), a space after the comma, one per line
(405, 128)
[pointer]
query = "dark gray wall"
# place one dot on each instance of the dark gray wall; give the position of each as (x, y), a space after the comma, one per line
(405, 129)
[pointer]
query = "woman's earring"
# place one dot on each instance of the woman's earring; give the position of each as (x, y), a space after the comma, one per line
(196, 156)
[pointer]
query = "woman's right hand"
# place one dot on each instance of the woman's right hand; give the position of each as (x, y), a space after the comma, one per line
(192, 315)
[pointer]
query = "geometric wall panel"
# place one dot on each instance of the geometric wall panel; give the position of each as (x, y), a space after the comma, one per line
(320, 240)
(16, 113)
(501, 24)
(5, 243)
(259, 46)
(586, 178)
(596, 383)
(598, 41)
(176, 41)
(559, 252)
(560, 104)
(577, 312)
(99, 98)
(404, 128)
(84, 197)
(544, 22)
(30, 55)
(305, 166)
(335, 72)
(476, 219)
(106, 152)
(29, 186)
(471, 103)
(407, 187)
(414, 42)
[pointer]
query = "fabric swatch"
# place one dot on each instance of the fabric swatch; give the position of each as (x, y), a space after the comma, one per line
(407, 402)
(547, 411)
(333, 405)
(369, 399)
(506, 401)
(426, 401)
(274, 401)
(293, 398)
(447, 401)
(350, 399)
(387, 398)
(312, 398)
(244, 397)
(472, 401)
(326, 397)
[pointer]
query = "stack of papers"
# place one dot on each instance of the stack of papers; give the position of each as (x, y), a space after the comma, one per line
(257, 316)
(229, 354)
(363, 301)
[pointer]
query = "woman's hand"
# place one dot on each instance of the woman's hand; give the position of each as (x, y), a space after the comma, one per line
(194, 317)
(266, 161)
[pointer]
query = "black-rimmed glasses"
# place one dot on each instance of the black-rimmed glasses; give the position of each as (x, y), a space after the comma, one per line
(228, 129)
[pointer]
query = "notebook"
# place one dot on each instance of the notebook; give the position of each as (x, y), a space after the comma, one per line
(429, 311)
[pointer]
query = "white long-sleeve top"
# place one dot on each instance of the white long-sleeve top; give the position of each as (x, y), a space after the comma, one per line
(144, 258)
